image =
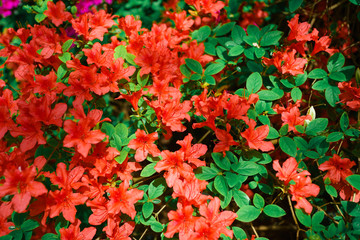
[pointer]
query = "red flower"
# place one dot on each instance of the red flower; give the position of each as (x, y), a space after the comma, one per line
(286, 62)
(302, 189)
(21, 183)
(256, 136)
(56, 12)
(291, 115)
(338, 168)
(192, 153)
(123, 200)
(73, 232)
(288, 170)
(175, 167)
(182, 221)
(226, 140)
(80, 134)
(144, 144)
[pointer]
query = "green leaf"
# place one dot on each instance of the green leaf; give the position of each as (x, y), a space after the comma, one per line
(122, 131)
(238, 34)
(214, 68)
(273, 133)
(337, 76)
(248, 213)
(271, 38)
(6, 237)
(303, 217)
(148, 170)
(67, 45)
(294, 5)
(288, 146)
(273, 210)
(224, 29)
(335, 62)
(220, 185)
(236, 51)
(331, 190)
(157, 188)
(61, 72)
(193, 65)
(317, 73)
(156, 227)
(29, 225)
(18, 218)
(259, 52)
(65, 57)
(239, 233)
(246, 168)
(356, 2)
(147, 209)
(354, 181)
(205, 173)
(17, 234)
(284, 130)
(185, 71)
(202, 33)
(344, 121)
(321, 85)
(270, 95)
(40, 17)
(296, 94)
(108, 129)
(316, 125)
(241, 199)
(195, 77)
(317, 218)
(210, 80)
(221, 162)
(120, 52)
(123, 154)
(300, 79)
(258, 201)
(254, 82)
(334, 136)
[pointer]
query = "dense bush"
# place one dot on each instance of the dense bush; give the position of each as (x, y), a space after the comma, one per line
(193, 119)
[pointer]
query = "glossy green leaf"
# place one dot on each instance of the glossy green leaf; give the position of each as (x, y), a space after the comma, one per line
(288, 146)
(258, 201)
(205, 173)
(147, 209)
(316, 125)
(254, 82)
(220, 185)
(148, 170)
(248, 213)
(317, 73)
(193, 65)
(335, 62)
(201, 34)
(344, 121)
(67, 45)
(273, 210)
(271, 38)
(334, 136)
(303, 218)
(214, 68)
(354, 181)
(294, 5)
(157, 188)
(120, 52)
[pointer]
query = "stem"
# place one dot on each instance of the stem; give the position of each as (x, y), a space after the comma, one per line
(320, 209)
(204, 136)
(337, 207)
(294, 217)
(142, 235)
(252, 226)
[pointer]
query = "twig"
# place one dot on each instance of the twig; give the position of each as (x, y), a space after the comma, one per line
(252, 226)
(204, 136)
(294, 217)
(337, 207)
(142, 235)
